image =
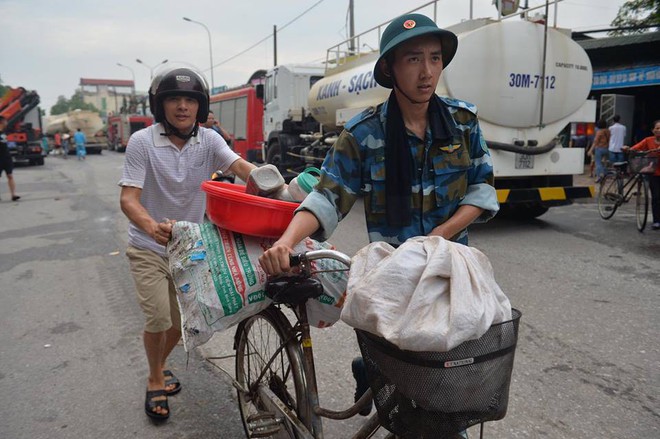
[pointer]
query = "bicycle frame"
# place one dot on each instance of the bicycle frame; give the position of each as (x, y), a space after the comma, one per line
(367, 429)
(300, 335)
(617, 188)
(626, 188)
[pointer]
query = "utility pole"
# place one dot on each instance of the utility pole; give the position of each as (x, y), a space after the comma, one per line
(132, 75)
(274, 45)
(210, 46)
(351, 27)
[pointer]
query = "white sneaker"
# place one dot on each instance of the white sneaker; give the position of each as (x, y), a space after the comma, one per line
(655, 226)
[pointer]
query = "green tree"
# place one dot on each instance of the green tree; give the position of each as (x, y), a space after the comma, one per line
(637, 13)
(76, 102)
(60, 107)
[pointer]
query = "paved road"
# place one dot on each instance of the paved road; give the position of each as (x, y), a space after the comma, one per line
(72, 363)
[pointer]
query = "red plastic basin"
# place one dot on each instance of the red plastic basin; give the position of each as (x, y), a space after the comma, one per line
(229, 207)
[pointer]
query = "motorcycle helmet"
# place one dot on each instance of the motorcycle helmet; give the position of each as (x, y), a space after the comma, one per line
(180, 81)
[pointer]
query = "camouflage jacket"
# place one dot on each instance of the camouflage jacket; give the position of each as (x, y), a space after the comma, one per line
(446, 177)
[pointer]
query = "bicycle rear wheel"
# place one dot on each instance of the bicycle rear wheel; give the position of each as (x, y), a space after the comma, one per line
(268, 355)
(609, 196)
(641, 203)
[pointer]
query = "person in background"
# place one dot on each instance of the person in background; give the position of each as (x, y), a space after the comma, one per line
(57, 139)
(599, 148)
(163, 169)
(419, 160)
(617, 136)
(214, 124)
(44, 144)
(80, 140)
(648, 144)
(6, 162)
(65, 143)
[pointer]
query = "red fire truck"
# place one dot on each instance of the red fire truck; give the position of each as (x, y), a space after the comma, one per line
(240, 111)
(121, 126)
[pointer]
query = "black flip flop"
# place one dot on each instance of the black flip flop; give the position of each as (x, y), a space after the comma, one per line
(150, 404)
(170, 379)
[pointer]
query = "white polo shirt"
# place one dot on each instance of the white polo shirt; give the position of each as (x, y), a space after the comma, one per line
(170, 178)
(617, 136)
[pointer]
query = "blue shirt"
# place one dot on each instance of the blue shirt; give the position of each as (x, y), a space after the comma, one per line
(79, 138)
(446, 177)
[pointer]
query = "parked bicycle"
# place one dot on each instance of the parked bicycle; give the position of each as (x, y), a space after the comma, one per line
(277, 386)
(626, 180)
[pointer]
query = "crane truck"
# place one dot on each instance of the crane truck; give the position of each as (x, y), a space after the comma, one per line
(20, 107)
(527, 79)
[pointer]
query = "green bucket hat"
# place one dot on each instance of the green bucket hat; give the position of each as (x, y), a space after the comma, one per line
(410, 26)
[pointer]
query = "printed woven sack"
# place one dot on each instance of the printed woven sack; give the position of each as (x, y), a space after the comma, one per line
(219, 281)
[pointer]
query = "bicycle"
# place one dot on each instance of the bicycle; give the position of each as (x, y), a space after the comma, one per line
(276, 378)
(618, 186)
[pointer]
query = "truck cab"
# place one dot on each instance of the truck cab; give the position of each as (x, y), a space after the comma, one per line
(122, 126)
(286, 113)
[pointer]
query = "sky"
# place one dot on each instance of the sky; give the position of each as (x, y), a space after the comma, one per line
(48, 45)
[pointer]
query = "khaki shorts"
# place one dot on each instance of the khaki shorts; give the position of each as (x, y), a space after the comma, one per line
(155, 289)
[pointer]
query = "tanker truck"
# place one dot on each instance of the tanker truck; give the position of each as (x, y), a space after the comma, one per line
(528, 81)
(89, 122)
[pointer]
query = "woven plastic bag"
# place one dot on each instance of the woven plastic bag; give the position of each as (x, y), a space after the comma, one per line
(219, 281)
(429, 294)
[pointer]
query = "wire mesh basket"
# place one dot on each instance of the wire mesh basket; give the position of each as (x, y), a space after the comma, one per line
(642, 164)
(438, 394)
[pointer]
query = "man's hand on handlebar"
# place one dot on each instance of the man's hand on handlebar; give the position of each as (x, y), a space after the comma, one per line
(275, 260)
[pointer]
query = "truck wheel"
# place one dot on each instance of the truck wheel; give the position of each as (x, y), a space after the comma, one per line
(522, 211)
(273, 154)
(532, 211)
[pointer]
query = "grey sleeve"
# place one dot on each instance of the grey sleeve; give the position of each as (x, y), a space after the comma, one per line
(324, 212)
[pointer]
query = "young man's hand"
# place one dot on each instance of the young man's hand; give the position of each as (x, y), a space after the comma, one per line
(162, 232)
(275, 260)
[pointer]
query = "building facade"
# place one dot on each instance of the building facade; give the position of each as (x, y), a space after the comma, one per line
(110, 96)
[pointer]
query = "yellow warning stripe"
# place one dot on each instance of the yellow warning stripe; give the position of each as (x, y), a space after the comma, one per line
(552, 193)
(545, 194)
(502, 195)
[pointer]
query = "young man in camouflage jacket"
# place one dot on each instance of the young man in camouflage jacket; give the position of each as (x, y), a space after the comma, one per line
(419, 161)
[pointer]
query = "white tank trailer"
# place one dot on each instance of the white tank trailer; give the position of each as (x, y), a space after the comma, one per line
(528, 83)
(89, 122)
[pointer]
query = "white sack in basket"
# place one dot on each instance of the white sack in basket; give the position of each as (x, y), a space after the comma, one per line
(429, 294)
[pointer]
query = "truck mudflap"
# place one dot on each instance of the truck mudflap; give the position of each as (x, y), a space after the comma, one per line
(546, 196)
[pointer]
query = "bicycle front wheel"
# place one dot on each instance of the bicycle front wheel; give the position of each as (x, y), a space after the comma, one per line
(609, 197)
(642, 203)
(267, 354)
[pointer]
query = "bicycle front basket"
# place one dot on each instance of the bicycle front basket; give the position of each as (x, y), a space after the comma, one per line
(437, 394)
(643, 164)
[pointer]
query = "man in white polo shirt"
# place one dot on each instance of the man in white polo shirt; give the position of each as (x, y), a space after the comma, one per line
(617, 136)
(163, 169)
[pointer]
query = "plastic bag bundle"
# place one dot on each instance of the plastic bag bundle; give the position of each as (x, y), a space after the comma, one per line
(429, 294)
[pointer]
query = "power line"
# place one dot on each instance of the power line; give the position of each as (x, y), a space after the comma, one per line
(267, 36)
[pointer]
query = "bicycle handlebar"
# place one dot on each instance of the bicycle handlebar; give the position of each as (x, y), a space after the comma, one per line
(641, 152)
(303, 258)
